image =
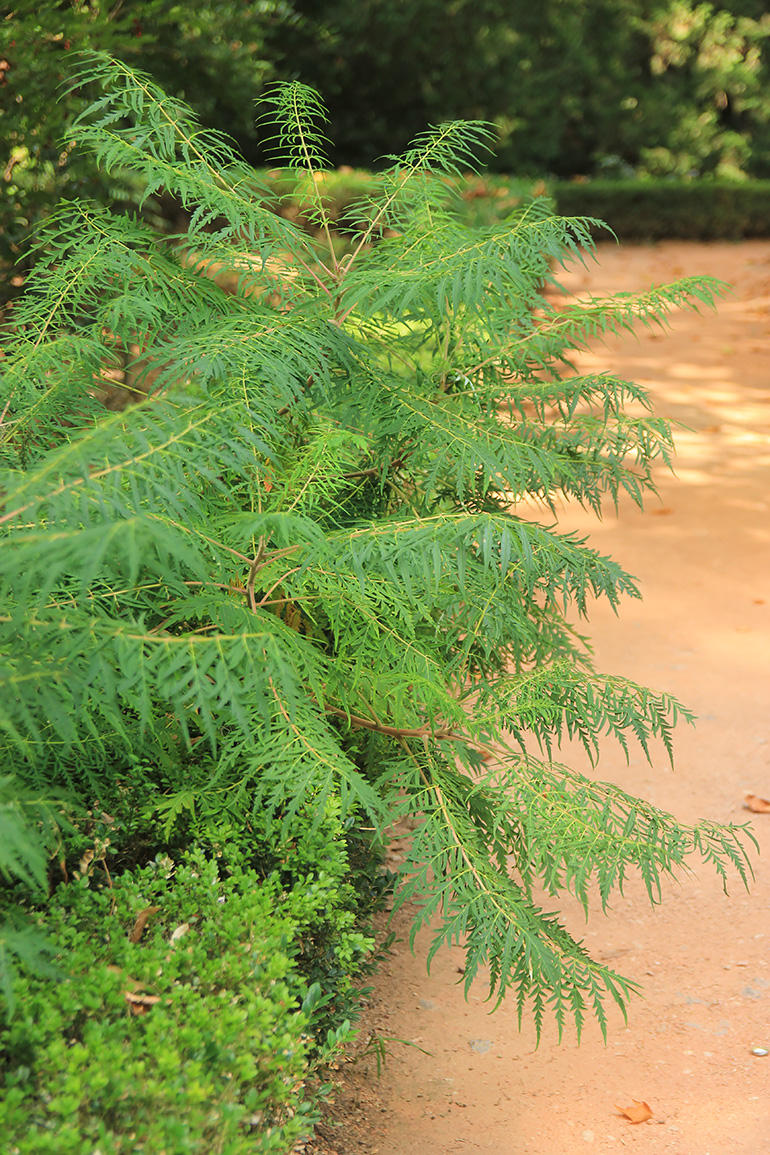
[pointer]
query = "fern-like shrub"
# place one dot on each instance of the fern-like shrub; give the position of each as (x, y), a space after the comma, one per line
(298, 573)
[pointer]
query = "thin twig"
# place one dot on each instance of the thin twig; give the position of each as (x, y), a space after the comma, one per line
(6, 407)
(318, 280)
(269, 558)
(254, 566)
(263, 601)
(381, 728)
(217, 585)
(442, 734)
(374, 470)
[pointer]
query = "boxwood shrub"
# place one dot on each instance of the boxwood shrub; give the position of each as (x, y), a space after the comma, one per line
(650, 210)
(198, 1037)
(635, 210)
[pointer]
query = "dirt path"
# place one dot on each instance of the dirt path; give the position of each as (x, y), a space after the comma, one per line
(702, 556)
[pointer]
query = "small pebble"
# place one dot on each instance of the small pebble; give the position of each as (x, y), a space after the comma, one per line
(760, 1052)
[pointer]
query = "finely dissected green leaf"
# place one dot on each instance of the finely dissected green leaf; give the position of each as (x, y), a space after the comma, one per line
(302, 568)
(23, 945)
(25, 825)
(559, 700)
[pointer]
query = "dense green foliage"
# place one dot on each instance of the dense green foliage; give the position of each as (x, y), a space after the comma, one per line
(189, 48)
(191, 1039)
(186, 1005)
(662, 87)
(302, 573)
(669, 87)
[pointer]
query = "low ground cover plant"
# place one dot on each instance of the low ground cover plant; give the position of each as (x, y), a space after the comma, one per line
(190, 1004)
(297, 590)
(191, 1038)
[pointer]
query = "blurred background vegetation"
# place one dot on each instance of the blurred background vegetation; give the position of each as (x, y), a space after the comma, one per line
(630, 90)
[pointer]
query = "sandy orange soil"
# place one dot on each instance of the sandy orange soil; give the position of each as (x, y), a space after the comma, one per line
(702, 557)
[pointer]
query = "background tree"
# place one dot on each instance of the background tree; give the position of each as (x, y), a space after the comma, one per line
(704, 107)
(666, 87)
(216, 55)
(547, 74)
(572, 85)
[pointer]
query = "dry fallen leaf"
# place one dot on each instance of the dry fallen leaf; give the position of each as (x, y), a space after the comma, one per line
(180, 930)
(92, 857)
(756, 804)
(141, 919)
(639, 1113)
(138, 1003)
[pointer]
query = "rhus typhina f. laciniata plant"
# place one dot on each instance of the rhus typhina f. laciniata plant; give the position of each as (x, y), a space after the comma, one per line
(299, 567)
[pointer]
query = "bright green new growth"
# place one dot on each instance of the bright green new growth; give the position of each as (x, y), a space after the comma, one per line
(297, 569)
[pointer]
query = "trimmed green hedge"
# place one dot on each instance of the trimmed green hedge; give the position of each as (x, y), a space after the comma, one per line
(201, 1035)
(635, 210)
(647, 210)
(481, 200)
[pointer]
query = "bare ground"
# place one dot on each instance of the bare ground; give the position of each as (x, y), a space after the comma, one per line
(702, 632)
